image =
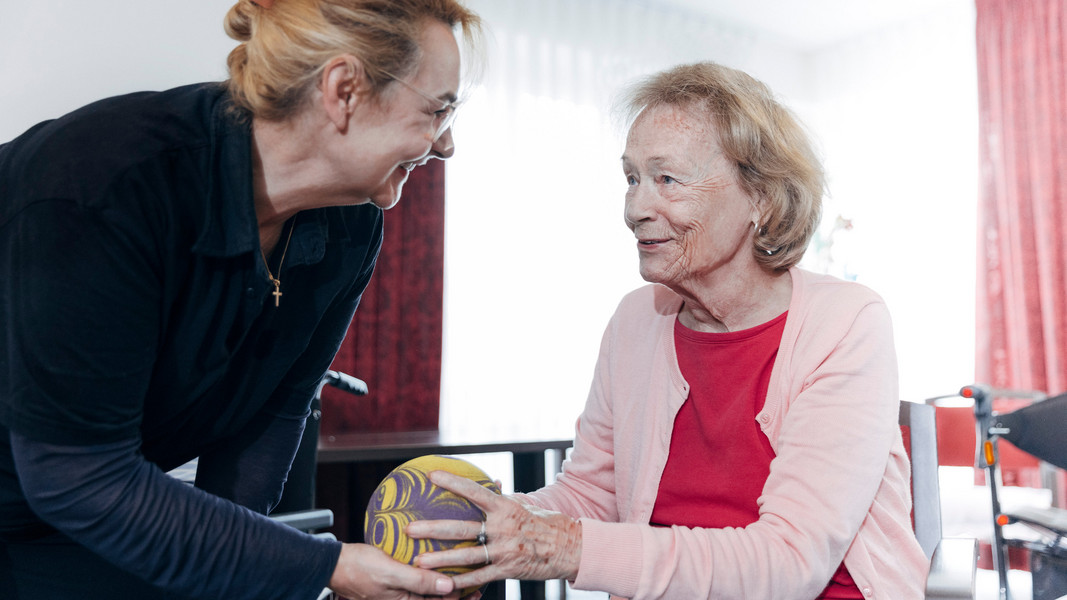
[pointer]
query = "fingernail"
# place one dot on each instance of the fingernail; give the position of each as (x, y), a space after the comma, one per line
(444, 586)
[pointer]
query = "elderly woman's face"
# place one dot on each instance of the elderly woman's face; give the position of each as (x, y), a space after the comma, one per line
(691, 218)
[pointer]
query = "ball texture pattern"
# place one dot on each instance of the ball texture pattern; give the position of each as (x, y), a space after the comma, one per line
(407, 495)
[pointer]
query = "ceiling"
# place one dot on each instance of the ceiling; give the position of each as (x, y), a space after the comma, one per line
(811, 24)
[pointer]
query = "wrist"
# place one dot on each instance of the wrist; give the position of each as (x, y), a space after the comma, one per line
(340, 577)
(572, 550)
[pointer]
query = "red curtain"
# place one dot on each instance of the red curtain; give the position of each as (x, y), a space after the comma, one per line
(1022, 255)
(394, 342)
(1022, 270)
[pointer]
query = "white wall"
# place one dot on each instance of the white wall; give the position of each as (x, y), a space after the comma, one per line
(537, 255)
(897, 113)
(56, 55)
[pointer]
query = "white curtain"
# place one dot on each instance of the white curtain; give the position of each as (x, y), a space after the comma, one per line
(537, 255)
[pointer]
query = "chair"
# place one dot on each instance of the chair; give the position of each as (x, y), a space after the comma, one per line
(953, 561)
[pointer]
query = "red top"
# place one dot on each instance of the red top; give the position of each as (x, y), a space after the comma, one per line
(719, 457)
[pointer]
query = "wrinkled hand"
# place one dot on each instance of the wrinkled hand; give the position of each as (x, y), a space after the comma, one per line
(364, 571)
(523, 542)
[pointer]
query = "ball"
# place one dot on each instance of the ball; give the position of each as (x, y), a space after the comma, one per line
(407, 495)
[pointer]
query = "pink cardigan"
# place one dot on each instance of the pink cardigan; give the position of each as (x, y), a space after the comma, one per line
(838, 487)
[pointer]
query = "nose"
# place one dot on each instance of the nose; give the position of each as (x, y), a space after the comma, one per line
(640, 205)
(443, 147)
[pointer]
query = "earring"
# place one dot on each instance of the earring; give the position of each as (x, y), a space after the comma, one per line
(760, 231)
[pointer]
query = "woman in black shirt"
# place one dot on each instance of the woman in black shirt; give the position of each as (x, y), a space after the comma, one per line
(177, 270)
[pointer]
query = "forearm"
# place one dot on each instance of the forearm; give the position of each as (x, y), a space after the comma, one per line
(110, 500)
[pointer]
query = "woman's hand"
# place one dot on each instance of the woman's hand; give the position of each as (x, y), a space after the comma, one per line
(364, 571)
(522, 542)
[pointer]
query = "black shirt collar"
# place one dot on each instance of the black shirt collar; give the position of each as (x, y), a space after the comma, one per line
(230, 227)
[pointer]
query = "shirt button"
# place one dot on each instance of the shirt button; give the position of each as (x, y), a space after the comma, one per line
(250, 292)
(764, 418)
(867, 592)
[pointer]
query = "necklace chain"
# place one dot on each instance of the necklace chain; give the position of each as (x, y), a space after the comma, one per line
(277, 293)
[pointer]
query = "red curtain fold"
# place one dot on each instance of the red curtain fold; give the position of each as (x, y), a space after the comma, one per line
(1022, 269)
(1022, 256)
(394, 341)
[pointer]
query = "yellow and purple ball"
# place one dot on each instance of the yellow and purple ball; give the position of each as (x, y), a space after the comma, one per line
(407, 495)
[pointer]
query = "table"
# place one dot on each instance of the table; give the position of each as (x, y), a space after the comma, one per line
(528, 451)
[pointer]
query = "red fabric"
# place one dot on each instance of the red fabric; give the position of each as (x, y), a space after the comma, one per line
(1022, 253)
(1022, 268)
(719, 458)
(394, 342)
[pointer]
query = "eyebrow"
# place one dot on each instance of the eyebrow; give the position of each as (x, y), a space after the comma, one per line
(655, 161)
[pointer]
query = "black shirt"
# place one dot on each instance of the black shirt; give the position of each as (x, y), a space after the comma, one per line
(134, 301)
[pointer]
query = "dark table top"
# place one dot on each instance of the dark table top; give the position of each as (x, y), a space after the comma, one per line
(349, 447)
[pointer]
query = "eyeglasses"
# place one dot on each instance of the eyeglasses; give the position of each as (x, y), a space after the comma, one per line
(442, 117)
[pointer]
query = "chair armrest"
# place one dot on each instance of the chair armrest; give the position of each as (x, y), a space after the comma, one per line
(953, 569)
(305, 520)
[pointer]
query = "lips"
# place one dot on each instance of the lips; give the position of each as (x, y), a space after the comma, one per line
(410, 166)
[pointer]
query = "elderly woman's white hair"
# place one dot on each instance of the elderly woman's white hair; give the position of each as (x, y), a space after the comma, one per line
(771, 151)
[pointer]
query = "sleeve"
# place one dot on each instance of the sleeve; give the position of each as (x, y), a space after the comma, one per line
(109, 499)
(821, 486)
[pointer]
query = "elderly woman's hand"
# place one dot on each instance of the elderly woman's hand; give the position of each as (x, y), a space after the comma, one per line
(522, 542)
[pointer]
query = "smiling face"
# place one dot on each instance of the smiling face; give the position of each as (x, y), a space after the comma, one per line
(399, 128)
(692, 220)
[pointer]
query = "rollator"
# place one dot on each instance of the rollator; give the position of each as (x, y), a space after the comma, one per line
(1039, 429)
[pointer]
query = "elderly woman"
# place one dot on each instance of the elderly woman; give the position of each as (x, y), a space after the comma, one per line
(177, 270)
(740, 438)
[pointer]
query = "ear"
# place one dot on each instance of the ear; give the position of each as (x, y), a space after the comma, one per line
(344, 85)
(756, 214)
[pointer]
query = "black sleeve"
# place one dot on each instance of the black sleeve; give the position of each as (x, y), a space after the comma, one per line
(109, 499)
